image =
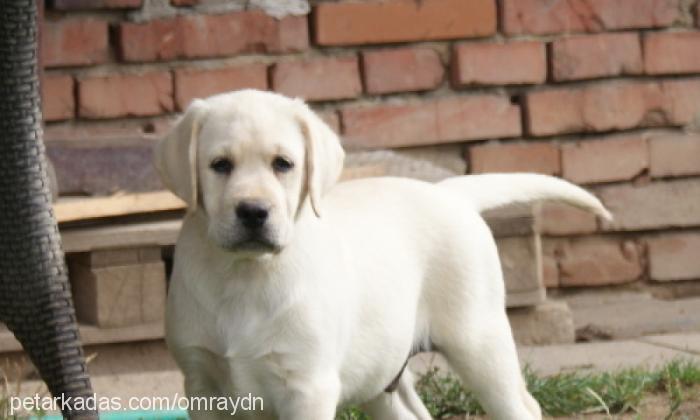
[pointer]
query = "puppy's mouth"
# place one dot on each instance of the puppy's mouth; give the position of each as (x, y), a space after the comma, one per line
(254, 243)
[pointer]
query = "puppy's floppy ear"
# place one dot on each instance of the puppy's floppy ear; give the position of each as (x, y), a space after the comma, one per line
(324, 155)
(176, 155)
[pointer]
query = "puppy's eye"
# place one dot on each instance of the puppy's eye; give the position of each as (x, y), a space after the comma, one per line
(281, 164)
(221, 166)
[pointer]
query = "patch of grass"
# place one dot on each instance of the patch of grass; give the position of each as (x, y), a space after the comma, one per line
(444, 396)
(7, 392)
(352, 413)
(567, 393)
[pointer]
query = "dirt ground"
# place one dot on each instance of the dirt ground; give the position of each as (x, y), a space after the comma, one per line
(653, 407)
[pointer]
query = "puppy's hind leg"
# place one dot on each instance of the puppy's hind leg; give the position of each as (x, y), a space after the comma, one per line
(485, 359)
(410, 397)
(401, 404)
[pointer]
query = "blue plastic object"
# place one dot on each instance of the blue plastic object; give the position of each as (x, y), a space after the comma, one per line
(132, 415)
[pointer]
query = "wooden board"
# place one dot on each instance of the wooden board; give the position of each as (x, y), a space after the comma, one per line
(74, 209)
(121, 235)
(90, 335)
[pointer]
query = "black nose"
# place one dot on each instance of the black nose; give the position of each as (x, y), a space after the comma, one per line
(252, 214)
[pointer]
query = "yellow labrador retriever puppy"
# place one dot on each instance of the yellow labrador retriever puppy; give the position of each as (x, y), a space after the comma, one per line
(313, 295)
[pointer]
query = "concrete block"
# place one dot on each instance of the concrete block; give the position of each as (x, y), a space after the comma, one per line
(511, 221)
(521, 260)
(110, 289)
(427, 163)
(545, 324)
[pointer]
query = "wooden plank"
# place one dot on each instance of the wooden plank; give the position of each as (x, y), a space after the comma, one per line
(118, 256)
(123, 235)
(91, 335)
(70, 210)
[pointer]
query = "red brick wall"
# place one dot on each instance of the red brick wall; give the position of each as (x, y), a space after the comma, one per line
(600, 92)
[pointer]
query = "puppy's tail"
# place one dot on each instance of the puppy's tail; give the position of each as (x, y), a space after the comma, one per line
(490, 191)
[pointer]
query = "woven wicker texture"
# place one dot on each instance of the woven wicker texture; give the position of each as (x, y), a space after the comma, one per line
(35, 300)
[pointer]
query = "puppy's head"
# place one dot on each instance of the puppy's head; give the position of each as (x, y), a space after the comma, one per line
(253, 163)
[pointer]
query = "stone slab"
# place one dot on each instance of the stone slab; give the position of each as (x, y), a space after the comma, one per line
(688, 342)
(104, 166)
(597, 357)
(635, 318)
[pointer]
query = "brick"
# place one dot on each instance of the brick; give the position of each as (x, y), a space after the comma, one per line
(96, 4)
(319, 78)
(681, 100)
(674, 155)
(58, 100)
(562, 219)
(401, 70)
(599, 262)
(672, 52)
(389, 125)
(451, 119)
(674, 256)
(477, 117)
(611, 106)
(196, 36)
(292, 35)
(547, 17)
(604, 160)
(515, 157)
(600, 107)
(353, 23)
(235, 33)
(191, 83)
(74, 42)
(590, 56)
(499, 63)
(653, 206)
(148, 41)
(113, 95)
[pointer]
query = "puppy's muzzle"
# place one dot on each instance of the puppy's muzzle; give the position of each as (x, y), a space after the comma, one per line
(252, 214)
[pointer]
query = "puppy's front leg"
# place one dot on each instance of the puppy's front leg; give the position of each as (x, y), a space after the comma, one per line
(200, 368)
(313, 398)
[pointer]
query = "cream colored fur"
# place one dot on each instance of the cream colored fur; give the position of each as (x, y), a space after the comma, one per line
(349, 279)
